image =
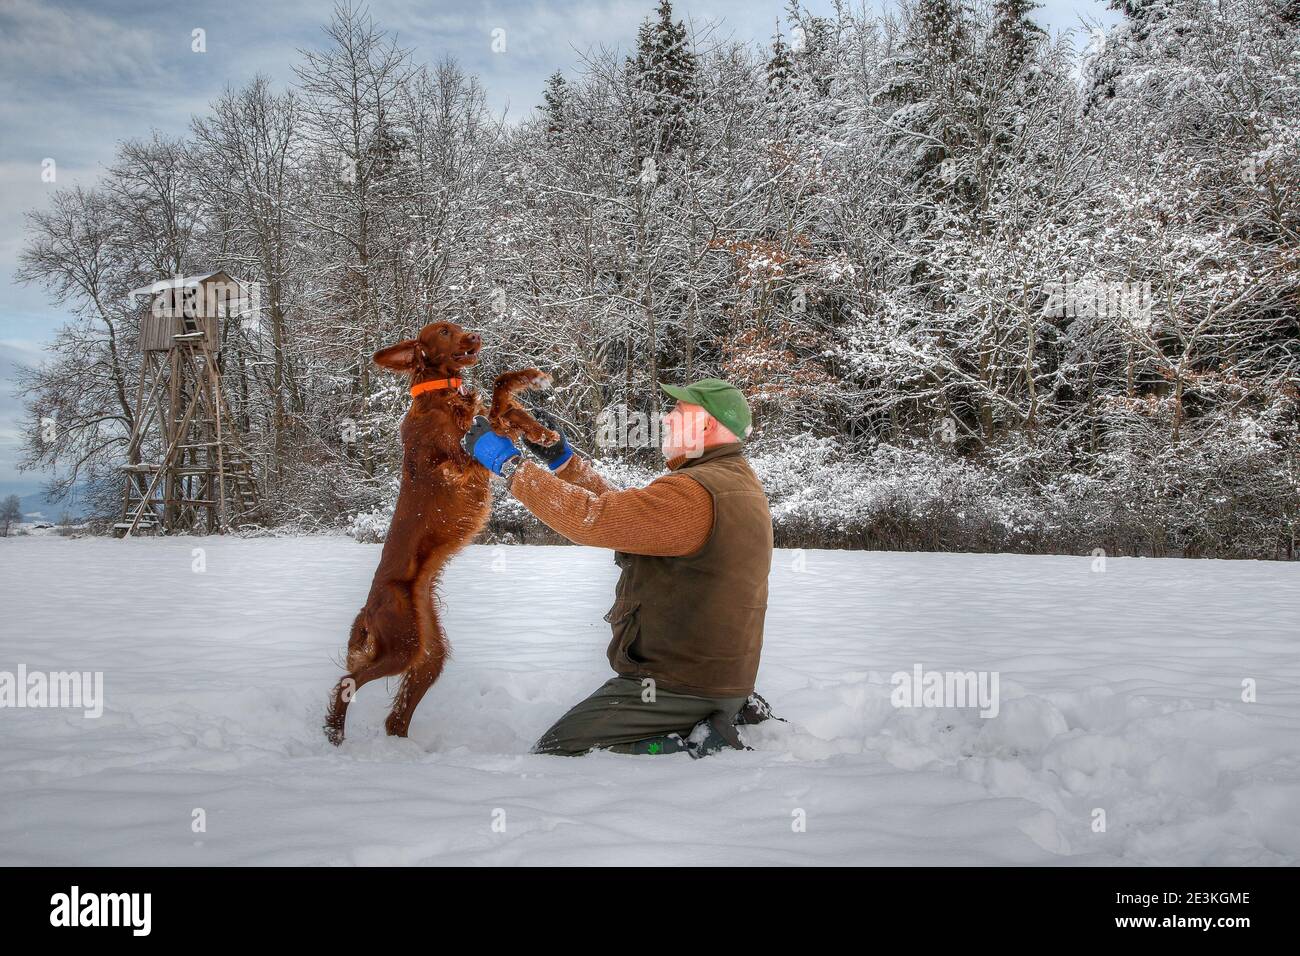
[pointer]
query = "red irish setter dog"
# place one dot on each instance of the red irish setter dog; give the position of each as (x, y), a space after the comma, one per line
(442, 504)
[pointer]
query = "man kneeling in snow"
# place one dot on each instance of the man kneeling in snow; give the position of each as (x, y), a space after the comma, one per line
(695, 549)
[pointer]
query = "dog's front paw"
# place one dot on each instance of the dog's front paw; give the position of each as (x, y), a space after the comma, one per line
(535, 378)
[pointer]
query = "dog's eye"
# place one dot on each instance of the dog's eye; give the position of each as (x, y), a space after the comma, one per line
(443, 332)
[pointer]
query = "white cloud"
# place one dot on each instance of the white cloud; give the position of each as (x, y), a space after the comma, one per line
(53, 43)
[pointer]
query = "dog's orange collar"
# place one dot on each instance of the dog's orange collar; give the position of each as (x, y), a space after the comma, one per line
(435, 383)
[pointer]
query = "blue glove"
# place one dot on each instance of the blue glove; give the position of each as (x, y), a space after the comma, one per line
(554, 455)
(488, 448)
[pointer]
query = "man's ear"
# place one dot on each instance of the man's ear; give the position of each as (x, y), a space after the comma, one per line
(399, 357)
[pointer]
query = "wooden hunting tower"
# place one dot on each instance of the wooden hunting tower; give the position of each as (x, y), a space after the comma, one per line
(185, 468)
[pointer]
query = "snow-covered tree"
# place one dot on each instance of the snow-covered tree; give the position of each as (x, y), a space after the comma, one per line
(984, 291)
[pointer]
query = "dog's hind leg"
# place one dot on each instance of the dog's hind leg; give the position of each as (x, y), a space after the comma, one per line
(347, 688)
(363, 668)
(430, 656)
(418, 678)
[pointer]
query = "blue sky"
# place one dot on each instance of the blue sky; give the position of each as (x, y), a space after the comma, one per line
(77, 77)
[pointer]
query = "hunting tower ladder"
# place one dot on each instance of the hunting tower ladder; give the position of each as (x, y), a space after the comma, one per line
(186, 471)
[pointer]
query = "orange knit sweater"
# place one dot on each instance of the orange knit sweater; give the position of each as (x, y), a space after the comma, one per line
(670, 517)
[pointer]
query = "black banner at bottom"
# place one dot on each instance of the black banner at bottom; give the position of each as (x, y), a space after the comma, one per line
(923, 905)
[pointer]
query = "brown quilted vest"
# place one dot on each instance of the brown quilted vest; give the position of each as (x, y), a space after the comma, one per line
(695, 623)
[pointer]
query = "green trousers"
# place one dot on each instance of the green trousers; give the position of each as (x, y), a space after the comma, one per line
(618, 714)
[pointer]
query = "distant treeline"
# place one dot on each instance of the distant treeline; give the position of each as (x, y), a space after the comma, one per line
(986, 290)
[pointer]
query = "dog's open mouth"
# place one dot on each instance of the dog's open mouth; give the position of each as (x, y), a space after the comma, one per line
(468, 357)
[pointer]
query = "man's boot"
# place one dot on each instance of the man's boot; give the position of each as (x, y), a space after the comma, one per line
(662, 744)
(755, 711)
(713, 734)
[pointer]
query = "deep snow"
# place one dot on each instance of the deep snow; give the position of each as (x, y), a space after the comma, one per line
(1120, 690)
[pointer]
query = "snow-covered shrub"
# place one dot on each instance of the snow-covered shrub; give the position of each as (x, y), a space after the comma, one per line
(894, 497)
(371, 526)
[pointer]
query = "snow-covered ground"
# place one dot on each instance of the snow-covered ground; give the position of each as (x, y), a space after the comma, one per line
(1121, 691)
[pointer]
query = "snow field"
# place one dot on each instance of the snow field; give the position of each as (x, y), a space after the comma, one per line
(1120, 691)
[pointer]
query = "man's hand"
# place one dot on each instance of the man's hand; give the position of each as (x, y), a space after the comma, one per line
(488, 448)
(554, 455)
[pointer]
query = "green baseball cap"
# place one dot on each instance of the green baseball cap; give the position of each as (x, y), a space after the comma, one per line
(720, 399)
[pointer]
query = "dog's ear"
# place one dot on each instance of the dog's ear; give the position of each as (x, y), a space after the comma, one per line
(399, 357)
